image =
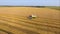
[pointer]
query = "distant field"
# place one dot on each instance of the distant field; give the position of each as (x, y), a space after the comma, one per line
(54, 7)
(13, 20)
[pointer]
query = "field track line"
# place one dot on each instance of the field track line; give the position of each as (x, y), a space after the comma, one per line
(48, 21)
(30, 22)
(36, 30)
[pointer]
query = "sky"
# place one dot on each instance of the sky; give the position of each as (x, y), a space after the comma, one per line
(30, 2)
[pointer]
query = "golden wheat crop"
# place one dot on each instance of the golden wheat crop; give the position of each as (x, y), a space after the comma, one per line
(13, 20)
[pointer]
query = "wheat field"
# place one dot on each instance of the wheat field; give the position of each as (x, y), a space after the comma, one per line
(13, 20)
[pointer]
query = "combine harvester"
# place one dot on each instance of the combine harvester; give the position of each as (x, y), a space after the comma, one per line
(32, 16)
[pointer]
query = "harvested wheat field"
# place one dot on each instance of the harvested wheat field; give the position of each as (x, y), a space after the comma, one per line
(13, 20)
